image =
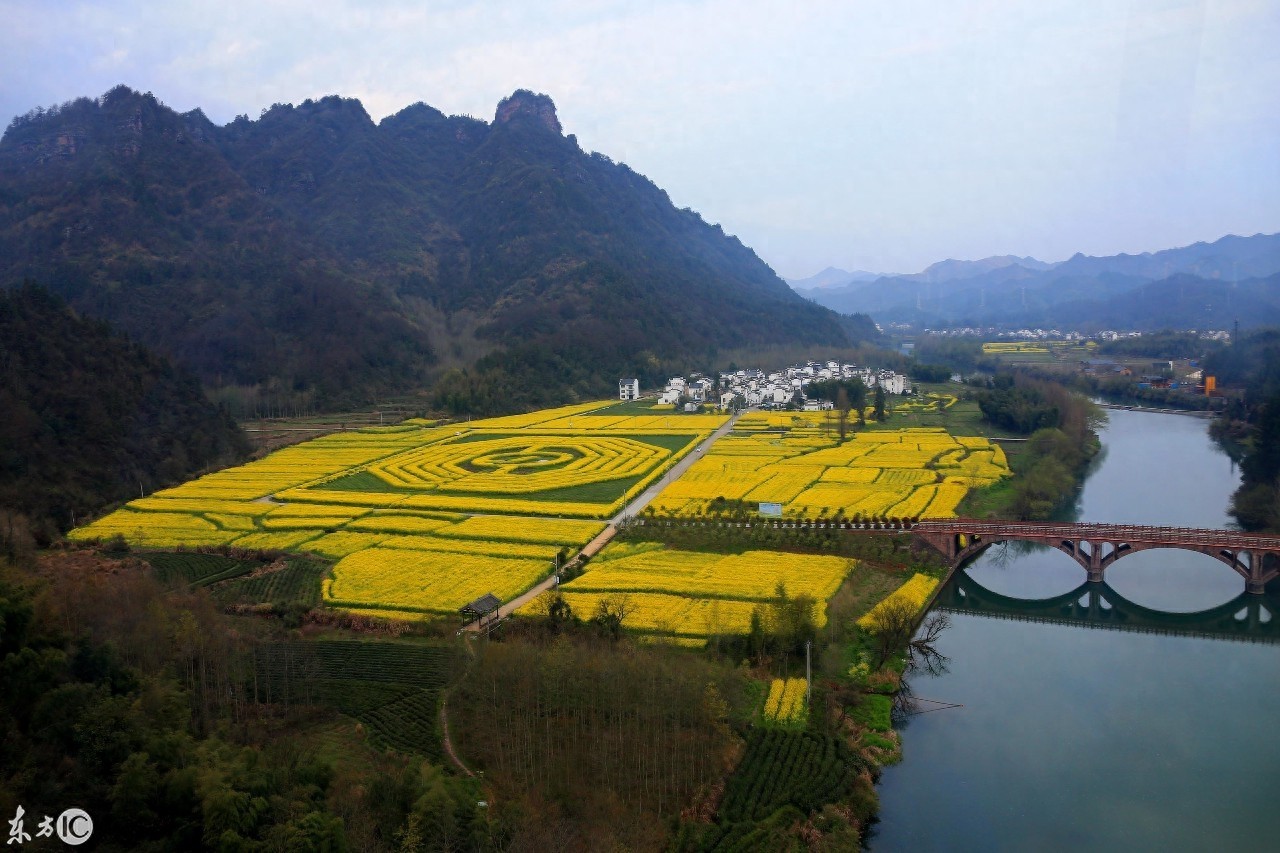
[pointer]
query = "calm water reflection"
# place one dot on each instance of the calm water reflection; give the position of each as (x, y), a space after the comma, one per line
(1075, 739)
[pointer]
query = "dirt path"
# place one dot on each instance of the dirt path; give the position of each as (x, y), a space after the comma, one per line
(445, 739)
(595, 545)
(448, 742)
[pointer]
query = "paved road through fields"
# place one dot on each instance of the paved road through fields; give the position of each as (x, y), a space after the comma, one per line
(639, 503)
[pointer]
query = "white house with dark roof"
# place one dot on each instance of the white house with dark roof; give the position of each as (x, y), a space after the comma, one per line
(629, 389)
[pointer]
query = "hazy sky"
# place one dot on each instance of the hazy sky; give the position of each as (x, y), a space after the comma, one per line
(877, 134)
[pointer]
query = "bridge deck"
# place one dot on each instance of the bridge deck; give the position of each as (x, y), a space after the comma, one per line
(1172, 536)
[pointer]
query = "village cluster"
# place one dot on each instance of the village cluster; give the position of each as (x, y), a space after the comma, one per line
(756, 389)
(996, 333)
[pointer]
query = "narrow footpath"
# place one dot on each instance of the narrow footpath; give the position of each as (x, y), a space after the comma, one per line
(637, 505)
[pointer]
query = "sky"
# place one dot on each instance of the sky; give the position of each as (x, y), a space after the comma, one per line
(881, 135)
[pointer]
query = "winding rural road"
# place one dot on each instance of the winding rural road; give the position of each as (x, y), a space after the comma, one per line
(639, 503)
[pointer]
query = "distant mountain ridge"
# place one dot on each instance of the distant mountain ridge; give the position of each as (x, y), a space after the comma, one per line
(953, 270)
(831, 277)
(1083, 292)
(314, 251)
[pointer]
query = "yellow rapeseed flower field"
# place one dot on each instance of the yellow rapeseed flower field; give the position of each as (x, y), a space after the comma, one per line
(673, 615)
(794, 459)
(282, 540)
(750, 576)
(785, 703)
(694, 594)
(915, 592)
(340, 544)
(404, 496)
(427, 581)
(396, 523)
(424, 518)
(550, 531)
(445, 545)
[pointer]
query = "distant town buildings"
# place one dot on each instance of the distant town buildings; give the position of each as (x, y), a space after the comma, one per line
(776, 389)
(993, 333)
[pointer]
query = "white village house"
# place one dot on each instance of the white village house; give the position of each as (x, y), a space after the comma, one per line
(628, 389)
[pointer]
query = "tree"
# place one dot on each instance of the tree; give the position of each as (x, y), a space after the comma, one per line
(554, 608)
(756, 635)
(1042, 488)
(611, 615)
(842, 406)
(891, 625)
(879, 403)
(929, 372)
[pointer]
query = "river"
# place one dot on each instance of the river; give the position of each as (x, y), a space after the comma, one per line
(1075, 737)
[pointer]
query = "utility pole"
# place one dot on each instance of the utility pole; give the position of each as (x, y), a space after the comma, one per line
(808, 674)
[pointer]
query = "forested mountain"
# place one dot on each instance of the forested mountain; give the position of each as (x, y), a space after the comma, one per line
(315, 249)
(1206, 285)
(89, 418)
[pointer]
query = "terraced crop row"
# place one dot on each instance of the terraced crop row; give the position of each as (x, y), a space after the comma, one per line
(415, 664)
(297, 583)
(197, 569)
(407, 723)
(782, 767)
(518, 465)
(392, 688)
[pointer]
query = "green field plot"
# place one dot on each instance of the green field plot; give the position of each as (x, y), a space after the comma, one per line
(197, 569)
(364, 481)
(297, 582)
(408, 723)
(393, 688)
(780, 768)
(784, 777)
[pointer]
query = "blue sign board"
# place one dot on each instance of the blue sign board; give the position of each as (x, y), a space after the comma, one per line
(771, 510)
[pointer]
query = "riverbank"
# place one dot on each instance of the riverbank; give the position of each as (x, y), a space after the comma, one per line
(1194, 413)
(1051, 706)
(1049, 469)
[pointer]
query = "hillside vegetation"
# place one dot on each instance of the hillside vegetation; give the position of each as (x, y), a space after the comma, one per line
(315, 254)
(1252, 423)
(90, 418)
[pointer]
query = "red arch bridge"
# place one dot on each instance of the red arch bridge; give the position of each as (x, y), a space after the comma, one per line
(1255, 557)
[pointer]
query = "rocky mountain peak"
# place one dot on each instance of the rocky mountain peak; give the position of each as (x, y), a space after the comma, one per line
(536, 106)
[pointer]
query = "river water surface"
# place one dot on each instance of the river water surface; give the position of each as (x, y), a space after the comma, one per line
(1079, 737)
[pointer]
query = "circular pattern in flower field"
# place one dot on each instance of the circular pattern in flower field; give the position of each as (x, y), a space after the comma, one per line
(510, 465)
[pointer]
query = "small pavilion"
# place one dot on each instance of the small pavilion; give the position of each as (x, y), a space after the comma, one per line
(483, 610)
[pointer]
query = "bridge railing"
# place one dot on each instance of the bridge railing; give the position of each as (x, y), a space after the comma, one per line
(1086, 530)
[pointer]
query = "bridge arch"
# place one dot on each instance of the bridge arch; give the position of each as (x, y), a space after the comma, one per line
(1245, 617)
(1095, 547)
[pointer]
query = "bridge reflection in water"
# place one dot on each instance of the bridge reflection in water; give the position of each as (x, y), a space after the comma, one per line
(1245, 618)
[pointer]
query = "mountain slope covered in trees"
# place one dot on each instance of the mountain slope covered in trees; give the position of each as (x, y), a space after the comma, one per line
(315, 252)
(90, 418)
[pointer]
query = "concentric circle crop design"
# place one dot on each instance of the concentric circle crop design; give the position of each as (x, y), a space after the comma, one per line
(520, 464)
